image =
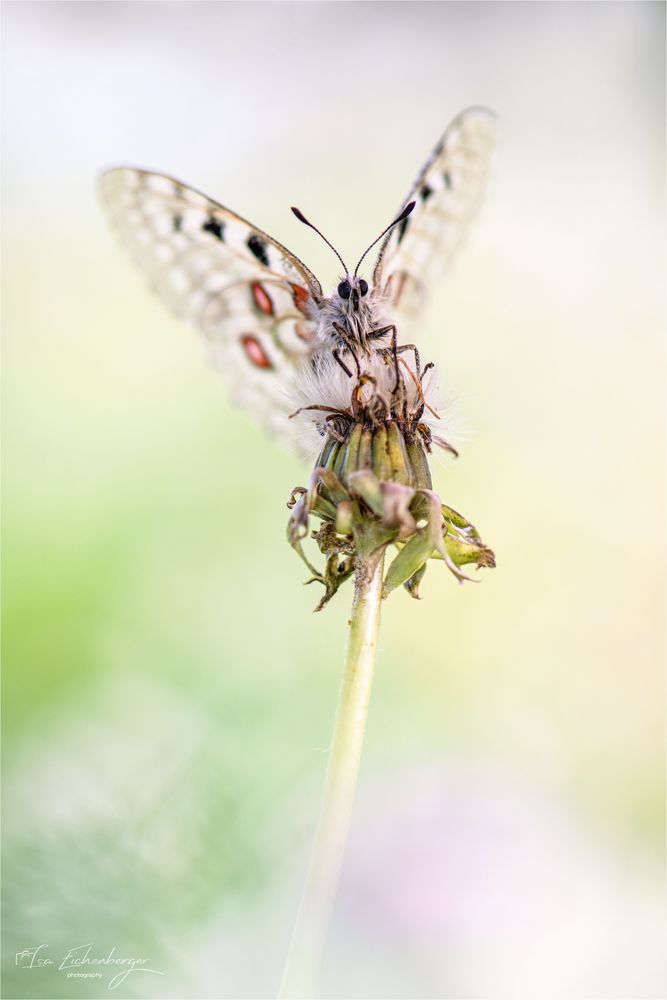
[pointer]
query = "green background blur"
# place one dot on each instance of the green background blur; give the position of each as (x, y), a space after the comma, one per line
(168, 693)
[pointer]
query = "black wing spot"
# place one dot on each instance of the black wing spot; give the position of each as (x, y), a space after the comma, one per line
(257, 248)
(177, 222)
(402, 228)
(447, 178)
(425, 192)
(215, 228)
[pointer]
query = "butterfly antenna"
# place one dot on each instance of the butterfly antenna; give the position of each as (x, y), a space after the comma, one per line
(404, 214)
(302, 218)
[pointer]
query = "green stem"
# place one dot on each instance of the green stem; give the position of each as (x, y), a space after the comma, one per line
(319, 892)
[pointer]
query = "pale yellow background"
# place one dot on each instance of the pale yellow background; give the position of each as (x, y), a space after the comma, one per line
(168, 692)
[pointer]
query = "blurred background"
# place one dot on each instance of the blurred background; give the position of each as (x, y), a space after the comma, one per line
(168, 692)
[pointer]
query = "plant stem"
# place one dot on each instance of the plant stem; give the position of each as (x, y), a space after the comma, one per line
(323, 875)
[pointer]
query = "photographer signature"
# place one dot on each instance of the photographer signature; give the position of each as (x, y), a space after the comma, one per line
(81, 963)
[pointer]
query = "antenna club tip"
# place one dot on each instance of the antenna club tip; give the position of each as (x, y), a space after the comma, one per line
(302, 218)
(408, 208)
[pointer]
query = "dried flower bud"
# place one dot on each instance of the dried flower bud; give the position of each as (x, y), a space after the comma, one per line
(371, 484)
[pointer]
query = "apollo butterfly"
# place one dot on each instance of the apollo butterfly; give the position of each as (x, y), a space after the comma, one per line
(268, 323)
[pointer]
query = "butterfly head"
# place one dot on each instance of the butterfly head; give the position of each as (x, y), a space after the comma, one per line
(350, 292)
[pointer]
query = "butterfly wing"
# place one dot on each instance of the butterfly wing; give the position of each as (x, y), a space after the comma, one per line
(447, 192)
(254, 301)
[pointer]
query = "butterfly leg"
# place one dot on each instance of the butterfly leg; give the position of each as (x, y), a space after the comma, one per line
(316, 406)
(393, 350)
(382, 331)
(413, 347)
(340, 361)
(419, 374)
(344, 336)
(426, 368)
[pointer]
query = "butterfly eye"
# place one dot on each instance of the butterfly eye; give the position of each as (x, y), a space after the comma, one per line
(363, 286)
(344, 289)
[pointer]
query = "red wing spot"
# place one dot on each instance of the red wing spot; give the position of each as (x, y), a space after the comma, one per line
(262, 298)
(301, 297)
(255, 352)
(304, 331)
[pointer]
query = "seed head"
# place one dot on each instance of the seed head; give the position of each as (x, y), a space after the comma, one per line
(371, 485)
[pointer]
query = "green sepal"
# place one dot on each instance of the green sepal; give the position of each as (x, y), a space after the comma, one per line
(420, 469)
(463, 543)
(344, 517)
(455, 520)
(381, 463)
(365, 456)
(463, 553)
(335, 491)
(409, 560)
(327, 454)
(366, 485)
(351, 449)
(412, 585)
(398, 456)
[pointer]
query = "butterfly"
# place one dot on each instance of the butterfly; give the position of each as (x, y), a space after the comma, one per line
(262, 311)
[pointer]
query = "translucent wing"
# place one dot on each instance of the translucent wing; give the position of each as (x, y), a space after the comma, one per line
(447, 192)
(253, 300)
